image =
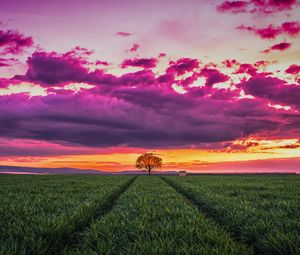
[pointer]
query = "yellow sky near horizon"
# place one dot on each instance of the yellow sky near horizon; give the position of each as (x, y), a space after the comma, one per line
(190, 159)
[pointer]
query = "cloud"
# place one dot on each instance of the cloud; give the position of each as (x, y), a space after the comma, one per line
(274, 90)
(279, 46)
(104, 63)
(140, 62)
(293, 69)
(134, 47)
(141, 109)
(51, 68)
(213, 76)
(182, 66)
(291, 146)
(291, 28)
(233, 6)
(8, 61)
(94, 120)
(247, 68)
(13, 42)
(256, 6)
(271, 32)
(123, 34)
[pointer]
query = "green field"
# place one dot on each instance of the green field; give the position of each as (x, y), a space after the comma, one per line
(202, 214)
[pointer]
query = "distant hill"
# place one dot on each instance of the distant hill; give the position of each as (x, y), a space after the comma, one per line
(35, 170)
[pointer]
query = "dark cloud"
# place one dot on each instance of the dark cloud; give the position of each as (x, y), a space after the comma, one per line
(52, 68)
(273, 89)
(141, 117)
(141, 109)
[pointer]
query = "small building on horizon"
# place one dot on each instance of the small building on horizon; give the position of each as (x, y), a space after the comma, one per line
(182, 173)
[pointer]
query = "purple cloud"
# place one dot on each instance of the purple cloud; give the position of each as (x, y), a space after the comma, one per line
(140, 62)
(213, 76)
(110, 113)
(274, 90)
(13, 42)
(182, 66)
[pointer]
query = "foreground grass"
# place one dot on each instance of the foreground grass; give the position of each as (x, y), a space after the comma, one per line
(151, 218)
(38, 214)
(262, 211)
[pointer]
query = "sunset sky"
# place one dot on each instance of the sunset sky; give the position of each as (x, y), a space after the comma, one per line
(207, 85)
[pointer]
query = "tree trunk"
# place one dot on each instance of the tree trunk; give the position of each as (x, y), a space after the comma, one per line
(149, 171)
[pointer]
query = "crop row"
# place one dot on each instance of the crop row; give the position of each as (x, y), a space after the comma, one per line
(39, 214)
(152, 218)
(261, 211)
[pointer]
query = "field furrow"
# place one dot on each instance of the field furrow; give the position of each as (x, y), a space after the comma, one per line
(261, 211)
(152, 218)
(43, 214)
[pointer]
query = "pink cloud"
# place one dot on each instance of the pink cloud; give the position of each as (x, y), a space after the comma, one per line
(213, 76)
(293, 69)
(270, 6)
(233, 6)
(134, 47)
(256, 6)
(182, 66)
(13, 42)
(140, 62)
(271, 32)
(8, 61)
(104, 63)
(291, 28)
(265, 33)
(123, 34)
(229, 63)
(247, 68)
(279, 46)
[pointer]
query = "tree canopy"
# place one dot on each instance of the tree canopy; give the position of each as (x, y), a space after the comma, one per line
(148, 161)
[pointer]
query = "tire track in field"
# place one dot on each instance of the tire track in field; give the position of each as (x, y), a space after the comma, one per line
(189, 197)
(99, 211)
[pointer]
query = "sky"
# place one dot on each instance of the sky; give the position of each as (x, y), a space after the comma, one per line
(208, 85)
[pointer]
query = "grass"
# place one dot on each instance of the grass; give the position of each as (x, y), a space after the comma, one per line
(39, 214)
(204, 214)
(261, 211)
(151, 218)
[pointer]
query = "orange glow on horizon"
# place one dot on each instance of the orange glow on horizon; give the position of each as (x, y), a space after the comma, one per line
(174, 159)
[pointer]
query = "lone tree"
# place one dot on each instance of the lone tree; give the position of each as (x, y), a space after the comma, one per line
(148, 161)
